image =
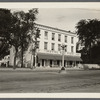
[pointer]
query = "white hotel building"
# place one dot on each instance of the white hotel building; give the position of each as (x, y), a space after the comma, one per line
(49, 52)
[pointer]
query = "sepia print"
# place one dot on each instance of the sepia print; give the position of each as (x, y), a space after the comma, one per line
(50, 49)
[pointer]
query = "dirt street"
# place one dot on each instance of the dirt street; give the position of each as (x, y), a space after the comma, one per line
(46, 81)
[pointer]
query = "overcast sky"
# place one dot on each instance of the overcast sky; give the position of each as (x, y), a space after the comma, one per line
(65, 18)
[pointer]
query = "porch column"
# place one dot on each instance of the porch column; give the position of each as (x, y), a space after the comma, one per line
(65, 63)
(52, 63)
(75, 63)
(40, 63)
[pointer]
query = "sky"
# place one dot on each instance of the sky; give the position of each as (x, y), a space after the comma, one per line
(65, 18)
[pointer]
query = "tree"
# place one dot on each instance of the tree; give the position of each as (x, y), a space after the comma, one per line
(22, 33)
(35, 45)
(89, 33)
(22, 28)
(6, 23)
(16, 30)
(4, 49)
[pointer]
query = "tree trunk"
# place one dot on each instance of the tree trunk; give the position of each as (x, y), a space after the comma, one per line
(90, 54)
(14, 67)
(22, 56)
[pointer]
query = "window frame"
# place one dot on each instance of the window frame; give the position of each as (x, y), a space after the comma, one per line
(66, 48)
(53, 36)
(72, 49)
(59, 37)
(72, 40)
(46, 34)
(52, 46)
(45, 45)
(66, 38)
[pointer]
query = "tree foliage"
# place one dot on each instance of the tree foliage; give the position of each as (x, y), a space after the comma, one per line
(16, 29)
(6, 24)
(89, 35)
(23, 29)
(88, 31)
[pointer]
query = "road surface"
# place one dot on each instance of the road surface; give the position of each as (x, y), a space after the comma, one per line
(49, 81)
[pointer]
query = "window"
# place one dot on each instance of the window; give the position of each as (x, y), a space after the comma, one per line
(65, 38)
(59, 47)
(53, 36)
(59, 37)
(72, 48)
(52, 46)
(66, 48)
(45, 45)
(46, 35)
(72, 40)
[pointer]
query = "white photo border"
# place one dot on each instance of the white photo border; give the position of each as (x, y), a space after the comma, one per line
(91, 5)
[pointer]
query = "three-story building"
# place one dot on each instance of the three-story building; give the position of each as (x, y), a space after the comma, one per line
(50, 51)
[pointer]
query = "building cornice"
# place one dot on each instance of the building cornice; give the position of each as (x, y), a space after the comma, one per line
(55, 29)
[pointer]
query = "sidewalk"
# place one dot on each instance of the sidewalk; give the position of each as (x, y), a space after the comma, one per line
(39, 69)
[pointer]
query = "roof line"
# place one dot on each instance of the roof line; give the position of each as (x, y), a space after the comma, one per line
(55, 28)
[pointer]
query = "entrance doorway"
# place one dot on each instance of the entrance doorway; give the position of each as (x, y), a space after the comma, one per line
(70, 63)
(58, 62)
(50, 63)
(42, 62)
(64, 63)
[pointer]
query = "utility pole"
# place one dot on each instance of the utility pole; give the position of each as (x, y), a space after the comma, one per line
(63, 53)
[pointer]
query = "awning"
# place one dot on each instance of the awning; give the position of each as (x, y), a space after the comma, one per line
(73, 58)
(58, 57)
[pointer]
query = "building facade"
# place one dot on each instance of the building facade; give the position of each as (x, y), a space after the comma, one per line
(49, 52)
